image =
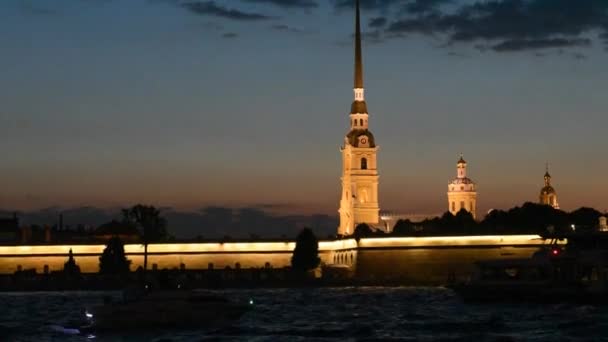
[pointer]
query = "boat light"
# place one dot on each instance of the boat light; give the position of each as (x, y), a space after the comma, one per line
(250, 301)
(88, 314)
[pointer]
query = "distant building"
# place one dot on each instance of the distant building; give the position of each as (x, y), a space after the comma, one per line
(548, 195)
(390, 219)
(9, 229)
(124, 231)
(603, 226)
(461, 191)
(359, 200)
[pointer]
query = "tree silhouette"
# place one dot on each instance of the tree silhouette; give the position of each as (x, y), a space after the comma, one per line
(306, 254)
(70, 268)
(152, 225)
(362, 230)
(403, 227)
(113, 260)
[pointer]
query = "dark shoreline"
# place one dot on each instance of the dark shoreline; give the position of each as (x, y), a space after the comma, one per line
(191, 279)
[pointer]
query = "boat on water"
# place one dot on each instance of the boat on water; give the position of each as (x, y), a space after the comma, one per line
(576, 272)
(164, 309)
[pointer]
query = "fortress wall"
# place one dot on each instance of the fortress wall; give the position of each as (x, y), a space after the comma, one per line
(432, 260)
(424, 260)
(192, 255)
(429, 265)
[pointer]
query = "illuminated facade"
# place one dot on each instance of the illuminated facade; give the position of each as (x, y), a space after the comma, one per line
(461, 191)
(548, 195)
(359, 199)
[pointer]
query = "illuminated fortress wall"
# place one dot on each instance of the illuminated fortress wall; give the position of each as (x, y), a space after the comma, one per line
(410, 260)
(192, 255)
(433, 260)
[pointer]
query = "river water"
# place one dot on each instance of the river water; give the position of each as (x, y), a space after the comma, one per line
(326, 314)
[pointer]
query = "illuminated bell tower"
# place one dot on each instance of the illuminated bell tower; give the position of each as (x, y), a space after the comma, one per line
(548, 195)
(359, 201)
(461, 191)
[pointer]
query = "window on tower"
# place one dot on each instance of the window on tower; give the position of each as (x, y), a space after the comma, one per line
(360, 122)
(453, 206)
(363, 164)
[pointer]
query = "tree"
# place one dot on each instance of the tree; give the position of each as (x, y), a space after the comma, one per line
(584, 217)
(403, 228)
(70, 268)
(306, 254)
(113, 260)
(152, 225)
(362, 230)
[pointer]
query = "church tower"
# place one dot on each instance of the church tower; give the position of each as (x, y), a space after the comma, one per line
(359, 201)
(461, 191)
(548, 195)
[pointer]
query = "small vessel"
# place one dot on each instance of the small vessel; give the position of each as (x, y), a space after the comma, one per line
(165, 309)
(577, 273)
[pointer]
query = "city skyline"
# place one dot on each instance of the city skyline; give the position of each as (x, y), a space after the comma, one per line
(134, 112)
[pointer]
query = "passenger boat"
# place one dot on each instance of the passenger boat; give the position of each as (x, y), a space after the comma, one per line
(165, 309)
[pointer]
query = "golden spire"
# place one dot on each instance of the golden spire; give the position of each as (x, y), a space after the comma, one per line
(358, 54)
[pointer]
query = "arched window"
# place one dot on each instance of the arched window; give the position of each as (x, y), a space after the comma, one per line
(453, 206)
(360, 122)
(363, 164)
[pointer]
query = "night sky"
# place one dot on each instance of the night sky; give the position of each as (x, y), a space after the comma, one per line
(245, 102)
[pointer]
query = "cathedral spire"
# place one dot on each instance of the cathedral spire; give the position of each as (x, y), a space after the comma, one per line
(547, 175)
(359, 106)
(358, 54)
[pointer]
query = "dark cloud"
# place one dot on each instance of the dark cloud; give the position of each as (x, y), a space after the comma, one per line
(456, 54)
(213, 9)
(423, 6)
(367, 4)
(509, 25)
(285, 28)
(377, 22)
(308, 4)
(579, 56)
(229, 35)
(536, 44)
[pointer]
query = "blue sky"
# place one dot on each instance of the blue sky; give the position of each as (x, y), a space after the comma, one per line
(236, 102)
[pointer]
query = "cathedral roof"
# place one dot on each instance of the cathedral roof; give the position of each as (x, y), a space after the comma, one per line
(353, 137)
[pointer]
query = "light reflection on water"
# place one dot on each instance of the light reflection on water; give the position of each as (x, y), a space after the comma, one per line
(324, 314)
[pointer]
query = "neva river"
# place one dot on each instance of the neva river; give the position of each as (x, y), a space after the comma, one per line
(327, 314)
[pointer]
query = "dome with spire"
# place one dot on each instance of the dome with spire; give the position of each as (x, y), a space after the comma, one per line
(548, 195)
